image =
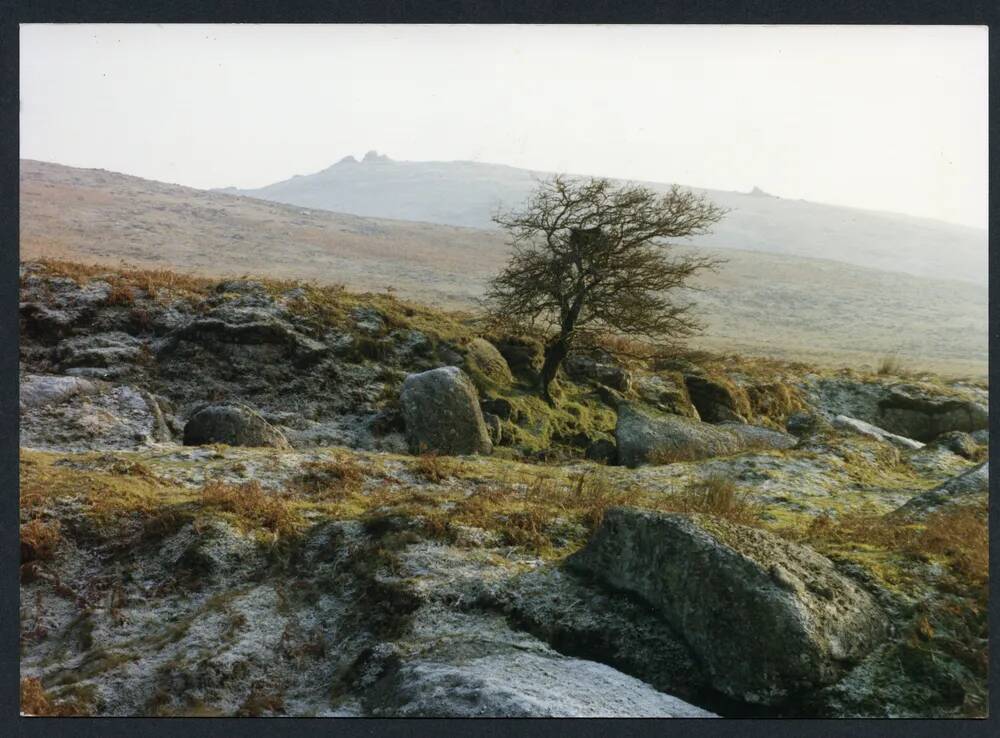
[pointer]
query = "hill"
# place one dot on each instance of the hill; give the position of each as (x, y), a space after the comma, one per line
(466, 193)
(760, 303)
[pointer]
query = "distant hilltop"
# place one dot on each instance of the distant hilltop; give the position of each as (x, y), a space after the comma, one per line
(467, 193)
(370, 157)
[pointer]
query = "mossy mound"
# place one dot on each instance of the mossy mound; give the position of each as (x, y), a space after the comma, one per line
(486, 365)
(579, 418)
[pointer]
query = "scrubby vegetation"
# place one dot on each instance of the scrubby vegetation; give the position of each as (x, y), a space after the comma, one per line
(890, 366)
(35, 700)
(39, 539)
(590, 258)
(534, 428)
(719, 497)
(358, 525)
(125, 279)
(329, 479)
(249, 502)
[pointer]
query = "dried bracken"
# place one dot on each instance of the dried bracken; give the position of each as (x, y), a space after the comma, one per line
(250, 501)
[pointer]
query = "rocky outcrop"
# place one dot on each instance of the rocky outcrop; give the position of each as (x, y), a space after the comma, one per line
(72, 414)
(442, 414)
(233, 424)
(967, 488)
(644, 438)
(102, 351)
(524, 355)
(767, 618)
(482, 357)
(329, 376)
(521, 685)
(853, 425)
(583, 368)
(39, 389)
(55, 307)
(717, 400)
(844, 395)
(248, 325)
(587, 621)
(919, 412)
(473, 664)
(805, 423)
(471, 648)
(962, 444)
(665, 393)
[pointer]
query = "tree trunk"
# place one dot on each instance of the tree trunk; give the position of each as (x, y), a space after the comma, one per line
(555, 352)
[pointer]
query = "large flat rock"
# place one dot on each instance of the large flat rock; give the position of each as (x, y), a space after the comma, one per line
(662, 438)
(473, 664)
(525, 685)
(766, 617)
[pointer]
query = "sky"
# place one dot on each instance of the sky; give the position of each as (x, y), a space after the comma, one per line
(880, 117)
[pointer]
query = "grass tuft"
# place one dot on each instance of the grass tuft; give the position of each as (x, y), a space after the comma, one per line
(961, 535)
(34, 701)
(39, 540)
(37, 702)
(890, 366)
(431, 467)
(719, 497)
(330, 479)
(149, 280)
(251, 502)
(958, 536)
(261, 701)
(593, 493)
(120, 294)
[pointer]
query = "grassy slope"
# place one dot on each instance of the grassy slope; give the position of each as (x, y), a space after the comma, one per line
(760, 303)
(467, 193)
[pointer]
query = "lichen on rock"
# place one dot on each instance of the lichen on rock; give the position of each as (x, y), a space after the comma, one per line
(768, 618)
(441, 412)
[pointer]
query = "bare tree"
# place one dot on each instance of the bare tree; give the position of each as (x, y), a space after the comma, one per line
(589, 258)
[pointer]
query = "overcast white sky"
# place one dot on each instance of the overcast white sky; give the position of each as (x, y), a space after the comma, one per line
(890, 118)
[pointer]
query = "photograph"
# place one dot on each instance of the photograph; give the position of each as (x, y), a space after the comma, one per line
(501, 371)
